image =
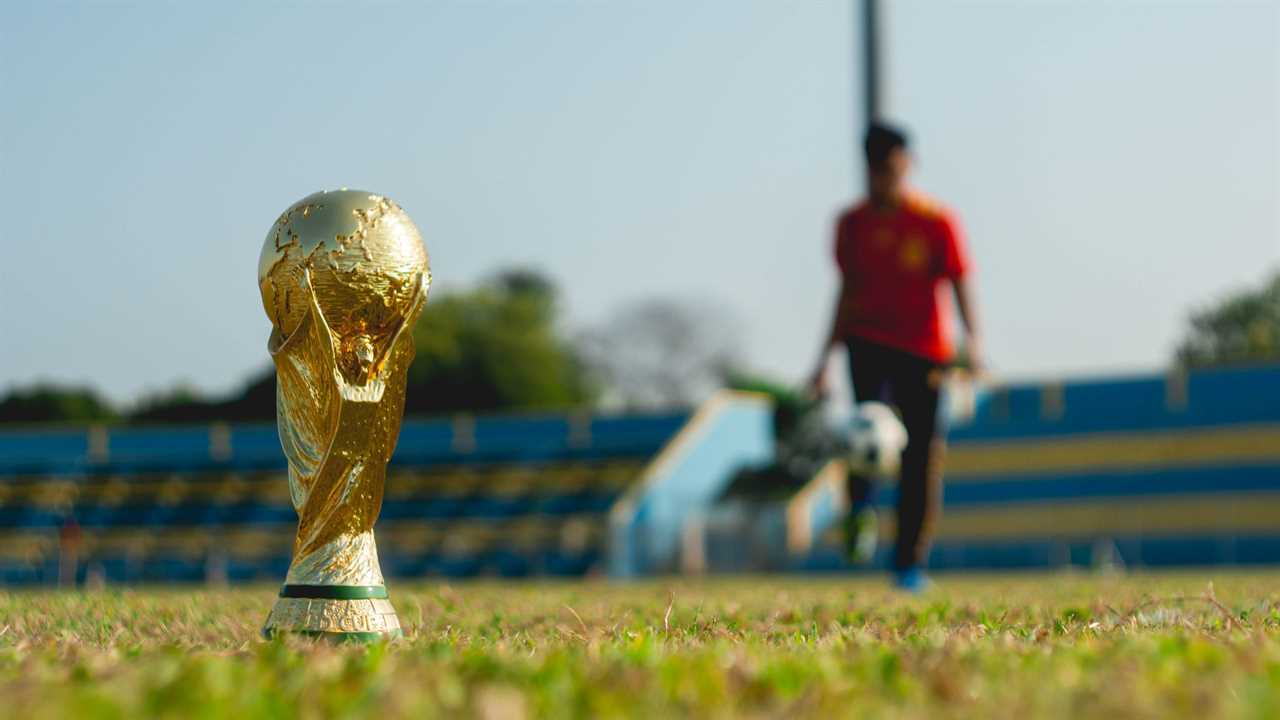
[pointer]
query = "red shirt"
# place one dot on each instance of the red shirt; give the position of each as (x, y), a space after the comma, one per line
(894, 263)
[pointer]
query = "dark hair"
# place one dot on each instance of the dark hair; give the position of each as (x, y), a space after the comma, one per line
(881, 140)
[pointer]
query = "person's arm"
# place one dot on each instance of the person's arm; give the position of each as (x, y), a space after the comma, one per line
(969, 316)
(957, 268)
(818, 381)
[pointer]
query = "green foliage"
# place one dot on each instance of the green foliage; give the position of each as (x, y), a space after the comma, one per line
(47, 403)
(496, 347)
(1243, 328)
(1025, 646)
(179, 404)
(256, 402)
(790, 403)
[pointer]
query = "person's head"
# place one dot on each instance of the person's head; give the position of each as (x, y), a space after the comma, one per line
(888, 161)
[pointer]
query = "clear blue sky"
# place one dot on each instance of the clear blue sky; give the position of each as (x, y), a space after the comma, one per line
(1116, 164)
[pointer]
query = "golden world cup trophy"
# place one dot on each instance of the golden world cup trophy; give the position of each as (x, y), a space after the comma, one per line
(344, 275)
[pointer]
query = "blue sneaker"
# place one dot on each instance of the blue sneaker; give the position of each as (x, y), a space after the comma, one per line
(912, 580)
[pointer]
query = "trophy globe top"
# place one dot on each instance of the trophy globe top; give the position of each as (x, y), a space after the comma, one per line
(359, 259)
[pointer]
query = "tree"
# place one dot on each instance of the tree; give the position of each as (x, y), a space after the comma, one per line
(495, 348)
(182, 403)
(661, 352)
(48, 403)
(1244, 327)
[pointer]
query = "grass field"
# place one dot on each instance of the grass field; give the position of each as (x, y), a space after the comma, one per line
(1012, 646)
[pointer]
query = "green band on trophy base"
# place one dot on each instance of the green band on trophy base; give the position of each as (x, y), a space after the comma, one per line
(335, 592)
(335, 637)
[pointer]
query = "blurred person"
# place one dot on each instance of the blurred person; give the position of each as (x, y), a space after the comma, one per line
(900, 256)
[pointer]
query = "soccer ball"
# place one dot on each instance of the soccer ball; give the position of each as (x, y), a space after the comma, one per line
(876, 440)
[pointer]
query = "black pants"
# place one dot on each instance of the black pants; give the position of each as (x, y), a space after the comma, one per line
(911, 383)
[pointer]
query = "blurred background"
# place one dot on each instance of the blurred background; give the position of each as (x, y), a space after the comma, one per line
(629, 208)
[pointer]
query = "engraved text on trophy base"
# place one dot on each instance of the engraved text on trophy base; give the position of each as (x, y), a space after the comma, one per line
(332, 616)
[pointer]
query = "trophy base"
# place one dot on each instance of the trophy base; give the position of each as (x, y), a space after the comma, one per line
(334, 612)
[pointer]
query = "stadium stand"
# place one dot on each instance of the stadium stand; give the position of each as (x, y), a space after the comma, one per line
(1182, 469)
(507, 496)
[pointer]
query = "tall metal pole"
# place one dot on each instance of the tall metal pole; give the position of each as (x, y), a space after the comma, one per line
(871, 59)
